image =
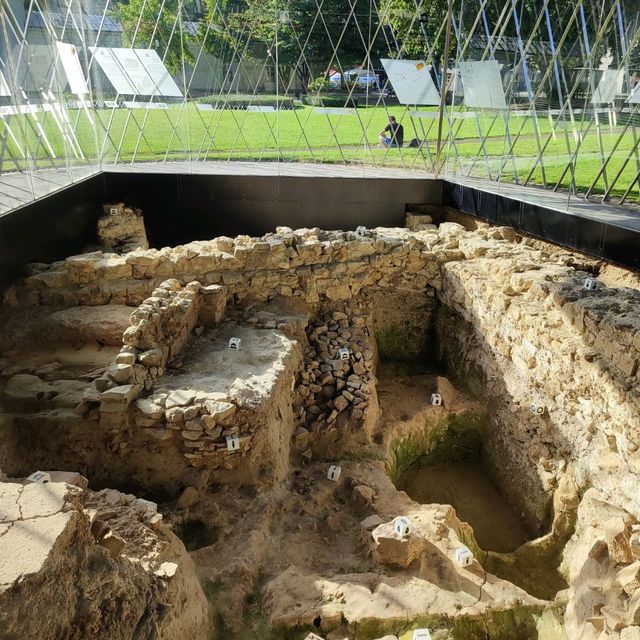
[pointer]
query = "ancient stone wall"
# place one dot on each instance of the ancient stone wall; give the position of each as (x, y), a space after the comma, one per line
(309, 264)
(121, 229)
(544, 342)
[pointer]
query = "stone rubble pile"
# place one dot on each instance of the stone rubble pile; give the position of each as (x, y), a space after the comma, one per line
(335, 390)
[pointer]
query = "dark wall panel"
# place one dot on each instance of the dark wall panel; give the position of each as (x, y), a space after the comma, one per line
(180, 208)
(50, 229)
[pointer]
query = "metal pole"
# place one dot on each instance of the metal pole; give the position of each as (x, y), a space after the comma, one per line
(443, 86)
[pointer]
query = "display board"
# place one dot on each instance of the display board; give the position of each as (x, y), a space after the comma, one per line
(138, 72)
(482, 84)
(72, 68)
(112, 69)
(411, 81)
(609, 86)
(634, 96)
(4, 87)
(163, 83)
(36, 69)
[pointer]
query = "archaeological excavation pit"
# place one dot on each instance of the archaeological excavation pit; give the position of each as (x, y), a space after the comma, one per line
(351, 434)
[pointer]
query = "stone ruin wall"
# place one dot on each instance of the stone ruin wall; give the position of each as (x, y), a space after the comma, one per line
(538, 336)
(517, 315)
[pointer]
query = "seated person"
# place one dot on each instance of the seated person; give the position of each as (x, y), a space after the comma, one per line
(395, 133)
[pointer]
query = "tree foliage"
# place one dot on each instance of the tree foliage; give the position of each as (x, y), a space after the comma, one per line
(296, 33)
(155, 24)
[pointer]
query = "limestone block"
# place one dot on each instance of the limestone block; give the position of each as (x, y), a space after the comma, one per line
(338, 291)
(630, 633)
(393, 549)
(126, 357)
(220, 411)
(118, 398)
(149, 408)
(617, 538)
(614, 618)
(122, 373)
(81, 269)
(628, 578)
(151, 358)
(113, 268)
(633, 609)
(180, 398)
(214, 300)
(26, 549)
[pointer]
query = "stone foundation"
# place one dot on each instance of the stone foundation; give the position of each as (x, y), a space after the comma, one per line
(554, 366)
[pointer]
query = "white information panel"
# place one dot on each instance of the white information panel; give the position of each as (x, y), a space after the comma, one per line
(482, 84)
(609, 86)
(411, 81)
(4, 87)
(108, 63)
(145, 105)
(634, 97)
(37, 69)
(135, 71)
(163, 83)
(71, 65)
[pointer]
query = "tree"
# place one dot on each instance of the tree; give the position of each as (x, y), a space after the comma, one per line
(296, 33)
(156, 24)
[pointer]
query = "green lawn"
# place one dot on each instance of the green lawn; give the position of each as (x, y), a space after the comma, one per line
(301, 135)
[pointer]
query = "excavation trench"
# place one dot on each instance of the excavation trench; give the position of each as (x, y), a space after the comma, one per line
(467, 487)
(447, 455)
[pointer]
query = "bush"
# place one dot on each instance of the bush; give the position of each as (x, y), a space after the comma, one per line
(330, 101)
(319, 84)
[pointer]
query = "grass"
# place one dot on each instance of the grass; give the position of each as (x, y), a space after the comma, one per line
(301, 135)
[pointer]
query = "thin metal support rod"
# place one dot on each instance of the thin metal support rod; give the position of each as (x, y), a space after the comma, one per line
(611, 154)
(620, 171)
(444, 77)
(625, 195)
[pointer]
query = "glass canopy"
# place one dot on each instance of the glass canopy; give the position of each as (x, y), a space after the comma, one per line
(527, 92)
